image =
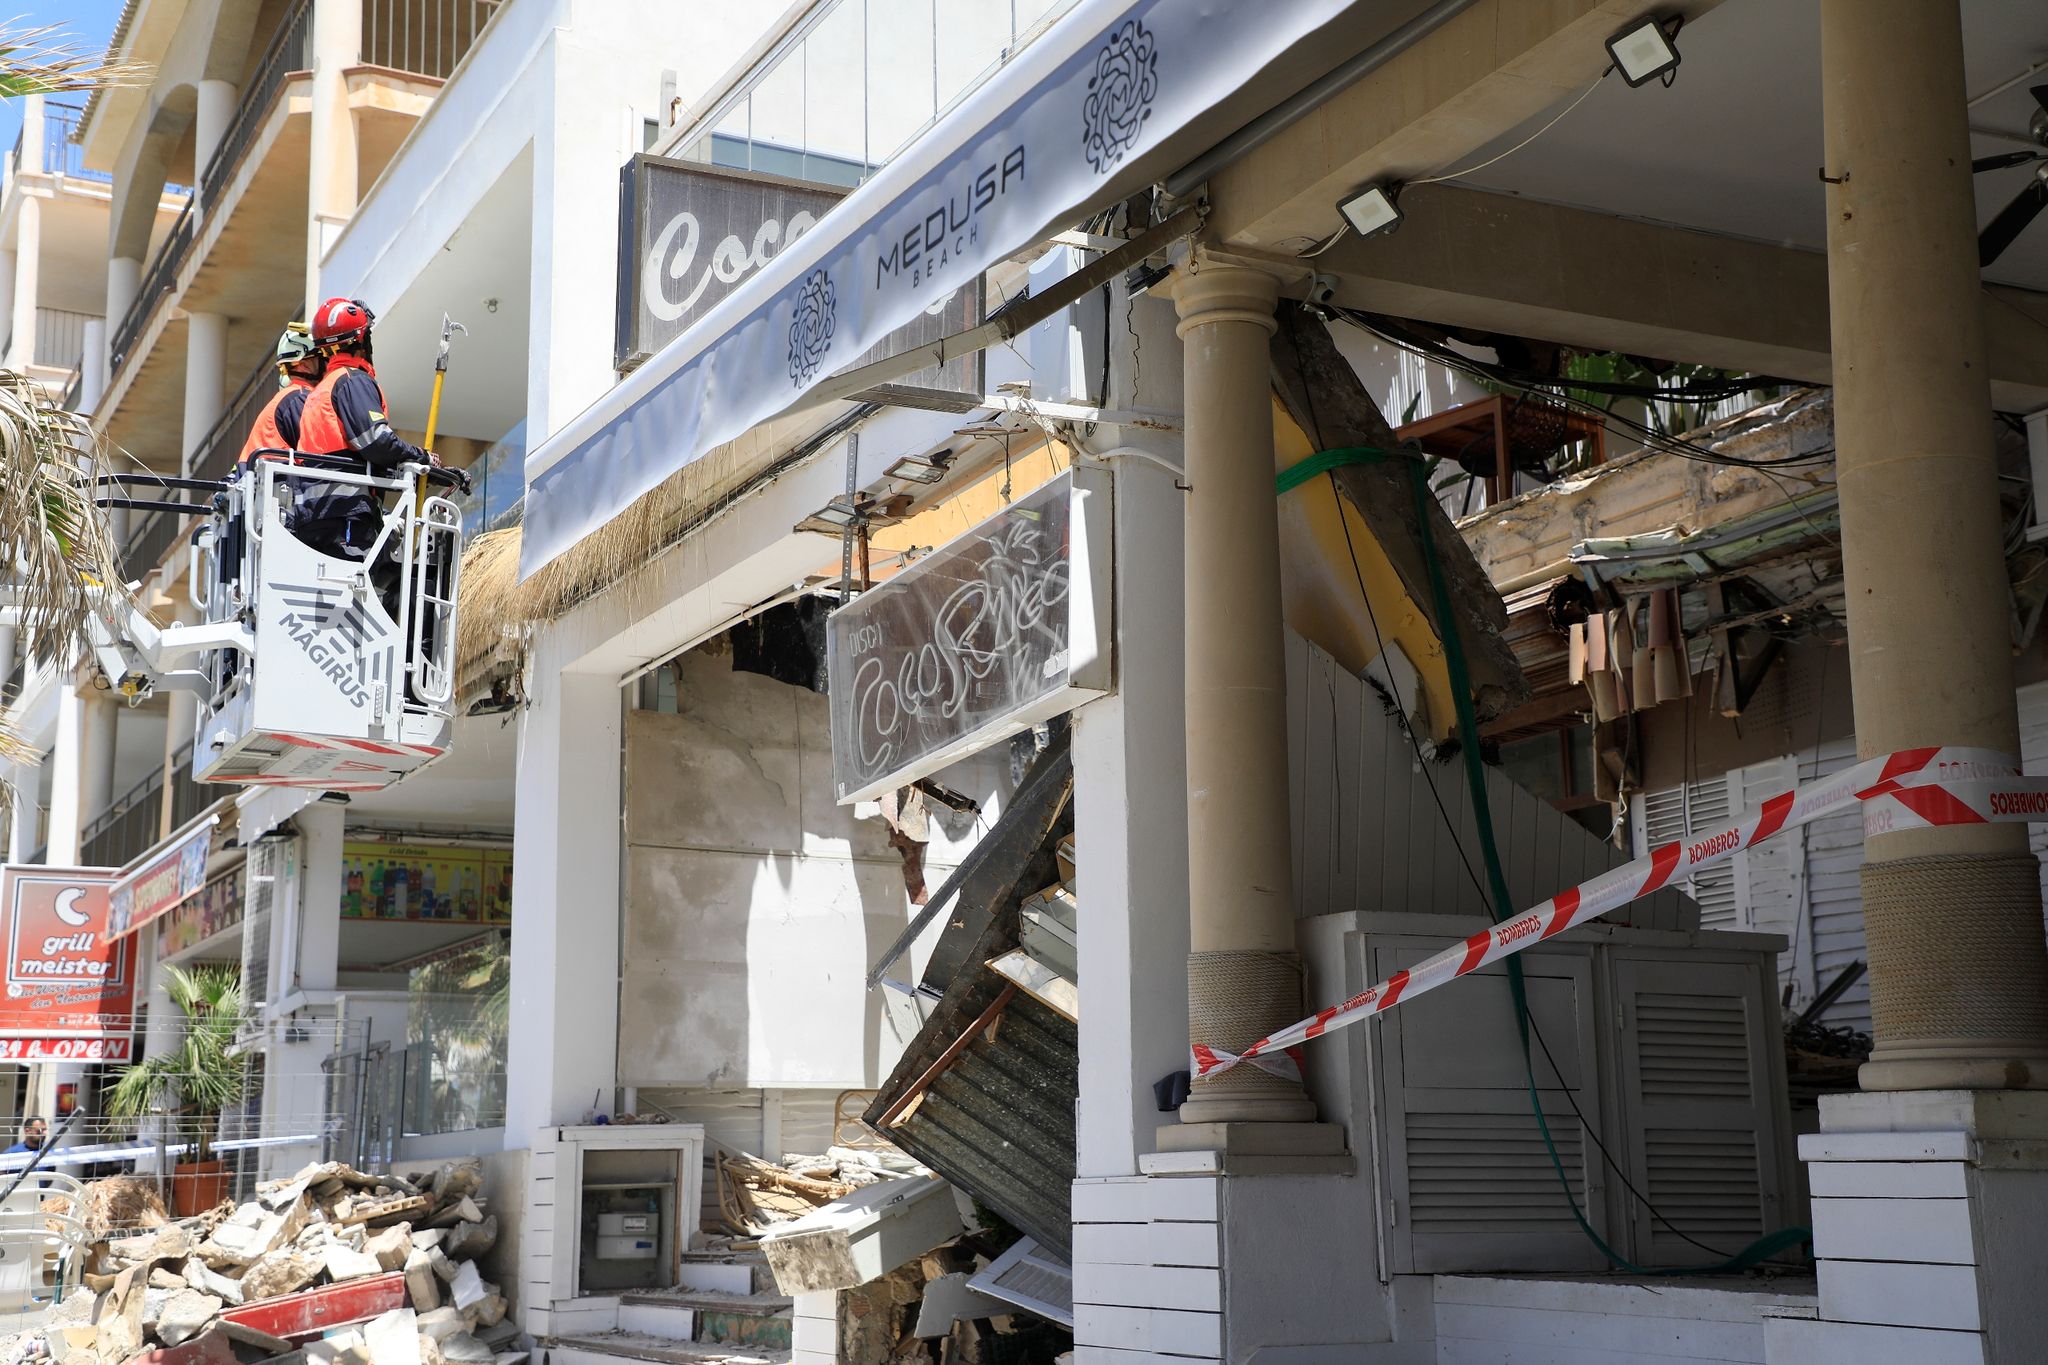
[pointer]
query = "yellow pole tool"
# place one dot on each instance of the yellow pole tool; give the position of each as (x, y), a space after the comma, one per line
(448, 329)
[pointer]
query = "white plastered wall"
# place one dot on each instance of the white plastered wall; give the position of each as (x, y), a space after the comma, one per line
(571, 80)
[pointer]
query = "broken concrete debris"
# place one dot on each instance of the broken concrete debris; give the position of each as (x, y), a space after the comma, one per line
(333, 1266)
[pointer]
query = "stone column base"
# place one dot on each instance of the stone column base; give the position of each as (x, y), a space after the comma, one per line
(1930, 1213)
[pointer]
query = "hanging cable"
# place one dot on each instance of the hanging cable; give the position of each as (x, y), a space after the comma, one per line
(1552, 123)
(1499, 903)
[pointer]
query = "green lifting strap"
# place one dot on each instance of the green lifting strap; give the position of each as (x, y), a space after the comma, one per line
(1502, 905)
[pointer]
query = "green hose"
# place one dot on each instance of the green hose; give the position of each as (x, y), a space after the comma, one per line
(1502, 905)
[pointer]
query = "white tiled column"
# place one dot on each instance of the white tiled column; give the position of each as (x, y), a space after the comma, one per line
(563, 1048)
(1929, 1211)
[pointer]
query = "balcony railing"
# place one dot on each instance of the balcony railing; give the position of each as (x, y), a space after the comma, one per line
(856, 81)
(155, 534)
(290, 50)
(156, 285)
(61, 155)
(497, 484)
(60, 336)
(126, 829)
(132, 825)
(427, 37)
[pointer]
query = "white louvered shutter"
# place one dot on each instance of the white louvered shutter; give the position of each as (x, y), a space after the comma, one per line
(1770, 877)
(1470, 1185)
(1677, 812)
(1697, 1095)
(1834, 889)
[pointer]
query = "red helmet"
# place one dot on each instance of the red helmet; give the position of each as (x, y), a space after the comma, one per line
(341, 320)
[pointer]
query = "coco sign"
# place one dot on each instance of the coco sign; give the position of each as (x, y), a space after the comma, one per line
(690, 234)
(996, 631)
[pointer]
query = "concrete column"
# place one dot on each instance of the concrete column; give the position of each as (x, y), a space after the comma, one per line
(1959, 971)
(181, 720)
(570, 160)
(23, 818)
(206, 376)
(94, 363)
(67, 792)
(32, 135)
(96, 777)
(28, 250)
(160, 1036)
(124, 278)
(210, 123)
(314, 946)
(1243, 977)
(563, 1048)
(332, 161)
(9, 263)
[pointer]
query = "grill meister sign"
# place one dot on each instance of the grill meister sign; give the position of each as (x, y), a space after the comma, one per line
(689, 234)
(70, 994)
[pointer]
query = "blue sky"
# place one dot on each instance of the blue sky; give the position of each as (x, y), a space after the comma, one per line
(88, 22)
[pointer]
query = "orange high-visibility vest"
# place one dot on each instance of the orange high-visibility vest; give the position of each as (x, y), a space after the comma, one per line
(277, 426)
(320, 429)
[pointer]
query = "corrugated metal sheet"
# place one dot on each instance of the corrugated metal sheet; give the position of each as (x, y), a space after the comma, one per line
(985, 1093)
(999, 1121)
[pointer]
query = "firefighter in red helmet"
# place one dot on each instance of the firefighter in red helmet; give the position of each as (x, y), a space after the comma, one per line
(346, 416)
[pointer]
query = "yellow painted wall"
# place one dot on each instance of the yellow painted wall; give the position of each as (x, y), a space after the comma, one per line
(1320, 586)
(973, 504)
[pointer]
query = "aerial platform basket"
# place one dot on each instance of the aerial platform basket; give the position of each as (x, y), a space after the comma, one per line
(348, 681)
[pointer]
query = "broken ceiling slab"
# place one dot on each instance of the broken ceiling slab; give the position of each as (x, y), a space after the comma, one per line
(1321, 391)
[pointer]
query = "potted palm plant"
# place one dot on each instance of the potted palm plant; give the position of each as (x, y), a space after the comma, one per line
(194, 1081)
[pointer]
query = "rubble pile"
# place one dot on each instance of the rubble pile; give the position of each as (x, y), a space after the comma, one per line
(330, 1267)
(755, 1195)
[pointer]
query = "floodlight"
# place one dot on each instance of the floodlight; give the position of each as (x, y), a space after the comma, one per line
(921, 468)
(1372, 209)
(1643, 52)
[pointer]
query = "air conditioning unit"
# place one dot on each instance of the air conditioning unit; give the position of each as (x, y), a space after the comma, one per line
(1668, 1041)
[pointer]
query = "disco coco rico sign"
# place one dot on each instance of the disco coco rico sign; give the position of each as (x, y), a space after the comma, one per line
(70, 994)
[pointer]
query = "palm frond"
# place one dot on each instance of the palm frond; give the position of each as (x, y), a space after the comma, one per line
(57, 543)
(44, 61)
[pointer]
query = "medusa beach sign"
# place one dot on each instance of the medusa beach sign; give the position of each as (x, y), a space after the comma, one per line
(999, 630)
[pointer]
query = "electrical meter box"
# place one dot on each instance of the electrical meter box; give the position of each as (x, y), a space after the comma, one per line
(617, 1205)
(629, 1221)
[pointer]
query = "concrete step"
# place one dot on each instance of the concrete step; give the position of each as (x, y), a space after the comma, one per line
(727, 1272)
(608, 1348)
(656, 1316)
(755, 1320)
(717, 1277)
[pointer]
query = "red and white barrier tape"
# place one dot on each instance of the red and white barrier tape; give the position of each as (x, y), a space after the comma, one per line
(1911, 789)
